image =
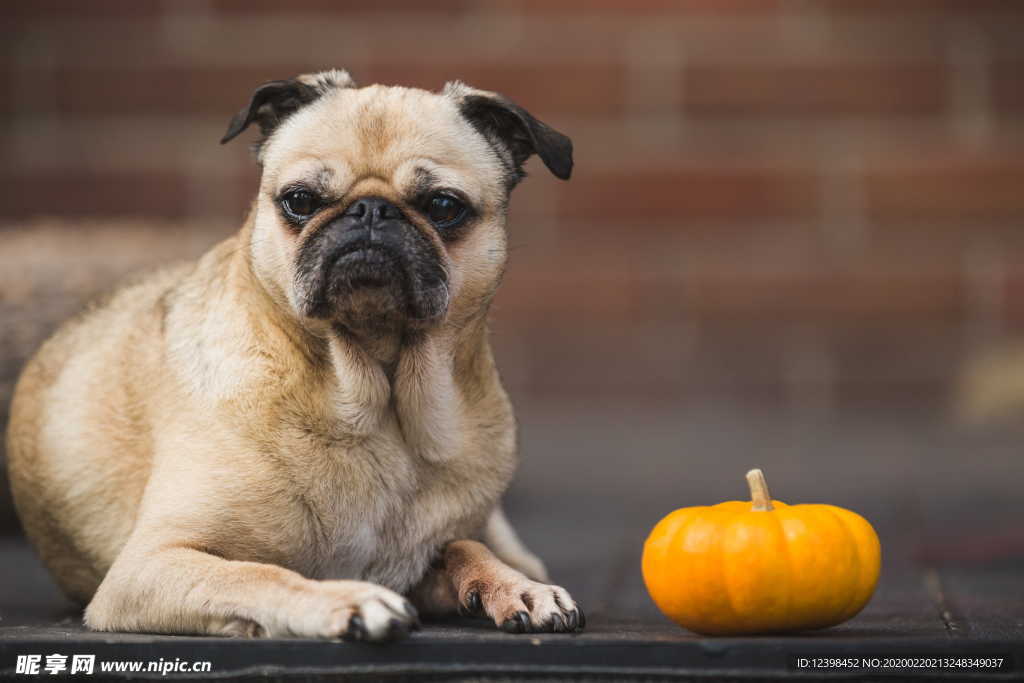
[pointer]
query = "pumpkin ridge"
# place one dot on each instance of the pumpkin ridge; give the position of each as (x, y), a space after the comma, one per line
(712, 567)
(656, 558)
(846, 518)
(784, 541)
(855, 592)
(684, 573)
(735, 613)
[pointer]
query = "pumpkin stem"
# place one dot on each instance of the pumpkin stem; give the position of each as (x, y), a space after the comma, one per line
(759, 491)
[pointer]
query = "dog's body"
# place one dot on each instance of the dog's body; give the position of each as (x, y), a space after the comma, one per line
(286, 435)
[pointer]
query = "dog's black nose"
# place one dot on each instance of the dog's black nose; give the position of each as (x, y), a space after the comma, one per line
(373, 209)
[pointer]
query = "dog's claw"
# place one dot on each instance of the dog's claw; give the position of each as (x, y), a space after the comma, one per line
(473, 605)
(572, 621)
(517, 623)
(557, 624)
(356, 628)
(410, 611)
(583, 619)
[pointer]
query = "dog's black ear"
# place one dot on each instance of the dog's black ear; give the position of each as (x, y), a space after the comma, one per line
(275, 101)
(501, 120)
(271, 104)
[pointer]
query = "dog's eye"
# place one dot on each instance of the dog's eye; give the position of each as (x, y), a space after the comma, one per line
(300, 203)
(445, 211)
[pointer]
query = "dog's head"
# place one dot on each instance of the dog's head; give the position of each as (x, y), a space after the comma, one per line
(384, 207)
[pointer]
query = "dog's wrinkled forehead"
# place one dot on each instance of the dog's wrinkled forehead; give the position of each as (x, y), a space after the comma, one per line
(382, 132)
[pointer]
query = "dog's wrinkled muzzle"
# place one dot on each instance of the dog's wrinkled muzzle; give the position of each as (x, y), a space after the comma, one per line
(371, 245)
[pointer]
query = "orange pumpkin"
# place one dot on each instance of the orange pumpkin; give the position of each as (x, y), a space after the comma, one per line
(761, 566)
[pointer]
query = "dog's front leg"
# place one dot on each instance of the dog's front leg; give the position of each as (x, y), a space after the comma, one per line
(502, 539)
(184, 590)
(471, 579)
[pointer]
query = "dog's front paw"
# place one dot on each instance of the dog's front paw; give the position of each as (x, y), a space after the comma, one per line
(519, 605)
(355, 611)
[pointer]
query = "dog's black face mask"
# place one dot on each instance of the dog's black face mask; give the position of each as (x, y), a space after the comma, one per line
(369, 266)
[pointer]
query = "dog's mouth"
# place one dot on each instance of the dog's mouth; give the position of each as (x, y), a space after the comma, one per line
(369, 266)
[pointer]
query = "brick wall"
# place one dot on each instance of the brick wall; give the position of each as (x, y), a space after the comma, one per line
(815, 201)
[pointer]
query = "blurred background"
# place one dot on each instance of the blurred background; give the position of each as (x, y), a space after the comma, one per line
(793, 237)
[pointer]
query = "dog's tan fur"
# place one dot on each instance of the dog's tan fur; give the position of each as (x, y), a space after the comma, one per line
(191, 456)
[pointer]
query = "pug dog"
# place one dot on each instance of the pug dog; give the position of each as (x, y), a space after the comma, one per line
(303, 433)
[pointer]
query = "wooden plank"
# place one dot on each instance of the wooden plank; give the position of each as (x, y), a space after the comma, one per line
(986, 603)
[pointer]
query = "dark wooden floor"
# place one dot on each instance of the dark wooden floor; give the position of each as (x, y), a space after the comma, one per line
(946, 504)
